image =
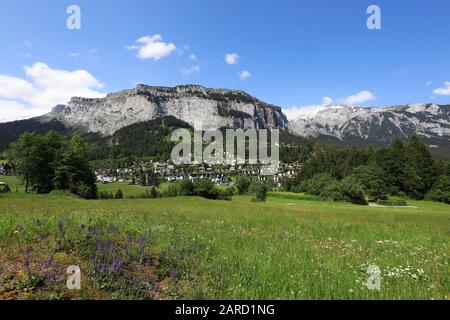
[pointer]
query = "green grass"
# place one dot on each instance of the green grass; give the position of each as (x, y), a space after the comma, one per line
(286, 248)
(293, 196)
(128, 190)
(13, 183)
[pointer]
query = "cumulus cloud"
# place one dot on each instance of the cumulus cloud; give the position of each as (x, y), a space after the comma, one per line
(152, 47)
(12, 110)
(359, 97)
(244, 75)
(193, 57)
(443, 91)
(232, 58)
(44, 88)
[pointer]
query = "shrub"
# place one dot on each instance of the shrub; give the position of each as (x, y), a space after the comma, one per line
(153, 193)
(185, 187)
(353, 191)
(259, 191)
(348, 189)
(205, 188)
(5, 189)
(118, 195)
(334, 192)
(243, 184)
(226, 194)
(85, 191)
(104, 195)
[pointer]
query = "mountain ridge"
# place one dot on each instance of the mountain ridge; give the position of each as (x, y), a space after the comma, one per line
(341, 125)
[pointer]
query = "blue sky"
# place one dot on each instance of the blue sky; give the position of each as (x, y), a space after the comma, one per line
(295, 52)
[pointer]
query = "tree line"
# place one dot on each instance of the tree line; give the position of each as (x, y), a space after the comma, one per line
(52, 161)
(357, 175)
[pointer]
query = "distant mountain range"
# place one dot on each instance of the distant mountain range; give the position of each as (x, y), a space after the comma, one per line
(219, 108)
(346, 125)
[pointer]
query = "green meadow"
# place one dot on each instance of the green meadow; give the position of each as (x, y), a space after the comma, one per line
(290, 247)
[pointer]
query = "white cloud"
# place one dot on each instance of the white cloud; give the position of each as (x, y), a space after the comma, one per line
(443, 91)
(193, 57)
(359, 97)
(47, 87)
(428, 83)
(244, 75)
(12, 110)
(191, 69)
(152, 47)
(232, 58)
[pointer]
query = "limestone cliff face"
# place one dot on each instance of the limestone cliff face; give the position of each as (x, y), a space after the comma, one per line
(196, 105)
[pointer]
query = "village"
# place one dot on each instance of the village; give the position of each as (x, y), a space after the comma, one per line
(151, 172)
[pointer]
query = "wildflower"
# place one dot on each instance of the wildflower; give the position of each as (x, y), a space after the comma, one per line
(61, 225)
(26, 264)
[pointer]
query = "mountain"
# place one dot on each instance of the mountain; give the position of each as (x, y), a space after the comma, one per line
(213, 108)
(346, 125)
(193, 104)
(138, 108)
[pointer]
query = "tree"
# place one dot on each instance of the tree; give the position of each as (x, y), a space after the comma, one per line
(370, 179)
(318, 183)
(23, 153)
(73, 171)
(440, 190)
(422, 161)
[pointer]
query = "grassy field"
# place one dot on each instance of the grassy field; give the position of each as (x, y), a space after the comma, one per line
(128, 189)
(186, 247)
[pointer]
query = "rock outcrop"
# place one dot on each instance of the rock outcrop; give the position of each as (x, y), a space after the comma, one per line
(196, 105)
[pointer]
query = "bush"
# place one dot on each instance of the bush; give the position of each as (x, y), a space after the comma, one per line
(5, 189)
(118, 195)
(353, 191)
(185, 187)
(259, 191)
(205, 188)
(84, 191)
(348, 189)
(334, 192)
(153, 193)
(104, 195)
(226, 194)
(243, 184)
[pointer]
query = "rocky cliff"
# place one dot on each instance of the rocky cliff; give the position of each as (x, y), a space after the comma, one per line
(212, 108)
